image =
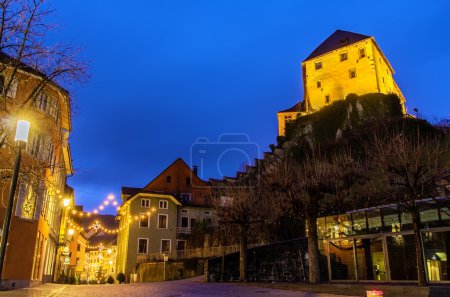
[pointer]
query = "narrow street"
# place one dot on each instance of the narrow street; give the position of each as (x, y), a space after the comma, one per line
(182, 288)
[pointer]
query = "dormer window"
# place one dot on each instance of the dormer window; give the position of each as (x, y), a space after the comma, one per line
(318, 65)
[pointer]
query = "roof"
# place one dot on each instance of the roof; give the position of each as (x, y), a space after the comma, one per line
(154, 193)
(296, 108)
(7, 59)
(130, 191)
(338, 39)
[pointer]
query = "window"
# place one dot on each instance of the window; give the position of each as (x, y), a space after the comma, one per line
(11, 92)
(78, 247)
(165, 245)
(352, 73)
(318, 65)
(184, 222)
(41, 147)
(207, 213)
(327, 99)
(143, 221)
(168, 179)
(162, 221)
(145, 202)
(344, 56)
(362, 52)
(185, 210)
(163, 204)
(188, 180)
(47, 104)
(193, 221)
(142, 245)
(319, 84)
(2, 83)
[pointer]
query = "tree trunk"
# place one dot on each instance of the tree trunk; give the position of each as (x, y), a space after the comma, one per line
(421, 274)
(313, 249)
(243, 254)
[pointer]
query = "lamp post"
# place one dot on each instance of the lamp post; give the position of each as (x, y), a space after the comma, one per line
(21, 139)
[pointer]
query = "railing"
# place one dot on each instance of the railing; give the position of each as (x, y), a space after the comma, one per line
(192, 253)
(184, 230)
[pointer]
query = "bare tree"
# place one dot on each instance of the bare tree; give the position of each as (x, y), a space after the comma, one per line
(309, 185)
(408, 167)
(241, 205)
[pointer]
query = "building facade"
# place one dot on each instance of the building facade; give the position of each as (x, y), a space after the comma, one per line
(158, 219)
(345, 63)
(46, 162)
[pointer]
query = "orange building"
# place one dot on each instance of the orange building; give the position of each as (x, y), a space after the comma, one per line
(26, 94)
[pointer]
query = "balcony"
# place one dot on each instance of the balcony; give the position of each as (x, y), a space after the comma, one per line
(184, 230)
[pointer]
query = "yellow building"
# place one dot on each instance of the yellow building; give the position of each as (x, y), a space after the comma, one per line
(345, 63)
(26, 94)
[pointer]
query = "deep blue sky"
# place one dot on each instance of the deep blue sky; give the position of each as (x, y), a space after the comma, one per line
(164, 73)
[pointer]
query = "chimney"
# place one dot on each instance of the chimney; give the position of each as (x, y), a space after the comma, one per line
(195, 169)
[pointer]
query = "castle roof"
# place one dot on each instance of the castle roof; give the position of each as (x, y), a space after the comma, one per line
(338, 39)
(296, 108)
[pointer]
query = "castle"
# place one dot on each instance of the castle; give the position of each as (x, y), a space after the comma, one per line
(343, 64)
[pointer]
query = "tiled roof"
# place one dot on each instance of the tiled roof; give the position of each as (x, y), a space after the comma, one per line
(296, 108)
(338, 39)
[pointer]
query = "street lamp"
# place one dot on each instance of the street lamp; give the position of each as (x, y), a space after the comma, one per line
(66, 202)
(21, 139)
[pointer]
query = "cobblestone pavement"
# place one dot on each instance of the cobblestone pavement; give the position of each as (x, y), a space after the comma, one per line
(182, 288)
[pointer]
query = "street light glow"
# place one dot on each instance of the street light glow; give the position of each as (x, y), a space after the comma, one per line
(66, 202)
(23, 127)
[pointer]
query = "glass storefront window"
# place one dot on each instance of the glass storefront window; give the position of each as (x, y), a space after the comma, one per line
(341, 260)
(339, 226)
(429, 215)
(374, 220)
(321, 228)
(370, 259)
(402, 257)
(390, 219)
(406, 219)
(359, 222)
(437, 251)
(445, 215)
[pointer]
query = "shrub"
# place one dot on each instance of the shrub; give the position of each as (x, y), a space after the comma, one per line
(110, 280)
(120, 277)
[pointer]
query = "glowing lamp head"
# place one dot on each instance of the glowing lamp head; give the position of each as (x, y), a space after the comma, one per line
(66, 202)
(23, 127)
(71, 231)
(109, 251)
(110, 197)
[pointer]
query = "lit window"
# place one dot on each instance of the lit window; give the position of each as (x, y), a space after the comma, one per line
(327, 99)
(162, 221)
(319, 84)
(165, 245)
(143, 221)
(352, 73)
(163, 204)
(344, 56)
(145, 202)
(318, 65)
(142, 245)
(362, 52)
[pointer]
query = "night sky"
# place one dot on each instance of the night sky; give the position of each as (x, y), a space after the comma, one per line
(164, 73)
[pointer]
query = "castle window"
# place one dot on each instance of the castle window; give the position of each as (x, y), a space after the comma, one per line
(352, 73)
(318, 65)
(319, 84)
(362, 52)
(344, 56)
(327, 99)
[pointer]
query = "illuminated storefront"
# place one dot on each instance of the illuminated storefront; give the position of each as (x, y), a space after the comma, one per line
(377, 244)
